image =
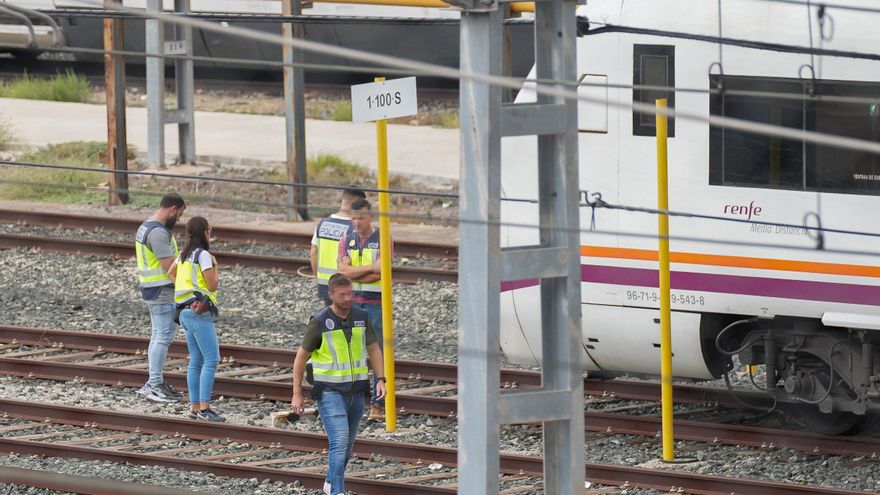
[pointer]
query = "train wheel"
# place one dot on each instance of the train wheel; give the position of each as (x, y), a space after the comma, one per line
(835, 423)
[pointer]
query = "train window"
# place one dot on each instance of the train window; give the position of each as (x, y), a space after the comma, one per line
(653, 65)
(744, 159)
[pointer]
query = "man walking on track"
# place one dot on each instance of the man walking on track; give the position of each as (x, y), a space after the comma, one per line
(338, 340)
(155, 250)
(325, 241)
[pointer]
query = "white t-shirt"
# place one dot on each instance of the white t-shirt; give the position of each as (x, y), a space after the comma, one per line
(205, 261)
(335, 216)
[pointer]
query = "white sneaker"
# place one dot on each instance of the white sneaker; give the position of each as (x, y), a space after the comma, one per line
(154, 394)
(327, 487)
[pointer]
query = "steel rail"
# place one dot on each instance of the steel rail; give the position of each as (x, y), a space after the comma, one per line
(600, 473)
(234, 387)
(81, 484)
(308, 479)
(424, 370)
(402, 274)
(290, 439)
(224, 233)
(713, 433)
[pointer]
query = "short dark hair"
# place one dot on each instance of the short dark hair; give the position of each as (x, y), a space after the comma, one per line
(361, 204)
(172, 199)
(338, 280)
(353, 193)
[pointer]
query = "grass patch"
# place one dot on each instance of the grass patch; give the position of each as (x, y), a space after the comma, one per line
(327, 169)
(7, 138)
(342, 112)
(48, 184)
(60, 87)
(448, 120)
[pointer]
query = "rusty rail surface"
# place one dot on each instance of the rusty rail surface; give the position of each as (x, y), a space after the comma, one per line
(221, 232)
(447, 407)
(82, 484)
(662, 480)
(424, 370)
(403, 274)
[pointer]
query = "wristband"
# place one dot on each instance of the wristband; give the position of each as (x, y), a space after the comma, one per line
(381, 378)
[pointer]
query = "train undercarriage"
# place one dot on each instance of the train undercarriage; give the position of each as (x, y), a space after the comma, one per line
(826, 378)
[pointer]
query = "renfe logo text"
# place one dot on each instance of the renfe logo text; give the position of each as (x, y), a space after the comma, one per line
(747, 211)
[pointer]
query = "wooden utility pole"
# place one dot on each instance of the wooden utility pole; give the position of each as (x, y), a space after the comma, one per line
(295, 112)
(114, 81)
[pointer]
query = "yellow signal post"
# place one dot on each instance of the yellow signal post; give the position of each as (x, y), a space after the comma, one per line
(385, 254)
(665, 311)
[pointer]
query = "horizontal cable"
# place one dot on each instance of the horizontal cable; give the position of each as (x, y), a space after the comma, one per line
(829, 6)
(654, 211)
(215, 178)
(242, 61)
(453, 221)
(758, 45)
(275, 18)
(513, 83)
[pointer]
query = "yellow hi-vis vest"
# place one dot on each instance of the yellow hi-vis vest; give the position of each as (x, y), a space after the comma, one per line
(363, 253)
(338, 361)
(191, 280)
(150, 272)
(329, 232)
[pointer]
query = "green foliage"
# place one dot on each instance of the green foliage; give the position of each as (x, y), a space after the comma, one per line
(448, 120)
(333, 169)
(327, 169)
(49, 184)
(342, 111)
(7, 138)
(60, 87)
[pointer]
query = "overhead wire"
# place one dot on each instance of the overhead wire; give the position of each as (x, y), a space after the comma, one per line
(840, 6)
(509, 82)
(454, 220)
(397, 71)
(672, 213)
(597, 202)
(502, 81)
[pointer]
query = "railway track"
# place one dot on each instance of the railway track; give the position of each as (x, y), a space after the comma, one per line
(270, 380)
(401, 274)
(221, 232)
(41, 429)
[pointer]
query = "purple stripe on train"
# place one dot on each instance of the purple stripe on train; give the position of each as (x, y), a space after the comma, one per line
(728, 284)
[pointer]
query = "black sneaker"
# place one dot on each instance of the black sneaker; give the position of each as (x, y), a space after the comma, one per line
(192, 414)
(169, 391)
(209, 415)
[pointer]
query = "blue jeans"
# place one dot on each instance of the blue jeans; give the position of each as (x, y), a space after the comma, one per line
(374, 312)
(163, 333)
(204, 354)
(341, 415)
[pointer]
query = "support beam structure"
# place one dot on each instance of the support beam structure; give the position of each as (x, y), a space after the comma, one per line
(157, 115)
(114, 84)
(295, 112)
(484, 264)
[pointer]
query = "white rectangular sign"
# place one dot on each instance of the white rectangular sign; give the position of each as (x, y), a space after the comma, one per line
(384, 100)
(175, 48)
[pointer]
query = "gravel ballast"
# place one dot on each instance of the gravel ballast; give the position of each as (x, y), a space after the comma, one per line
(270, 308)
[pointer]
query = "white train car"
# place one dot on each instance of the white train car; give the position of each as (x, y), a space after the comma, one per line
(775, 281)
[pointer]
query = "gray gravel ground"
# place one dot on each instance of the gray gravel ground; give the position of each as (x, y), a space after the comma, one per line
(258, 307)
(259, 249)
(268, 308)
(783, 464)
(153, 475)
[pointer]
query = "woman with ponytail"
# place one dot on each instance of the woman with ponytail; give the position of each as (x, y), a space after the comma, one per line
(196, 278)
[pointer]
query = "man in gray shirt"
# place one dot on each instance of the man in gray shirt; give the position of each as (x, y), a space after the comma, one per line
(155, 250)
